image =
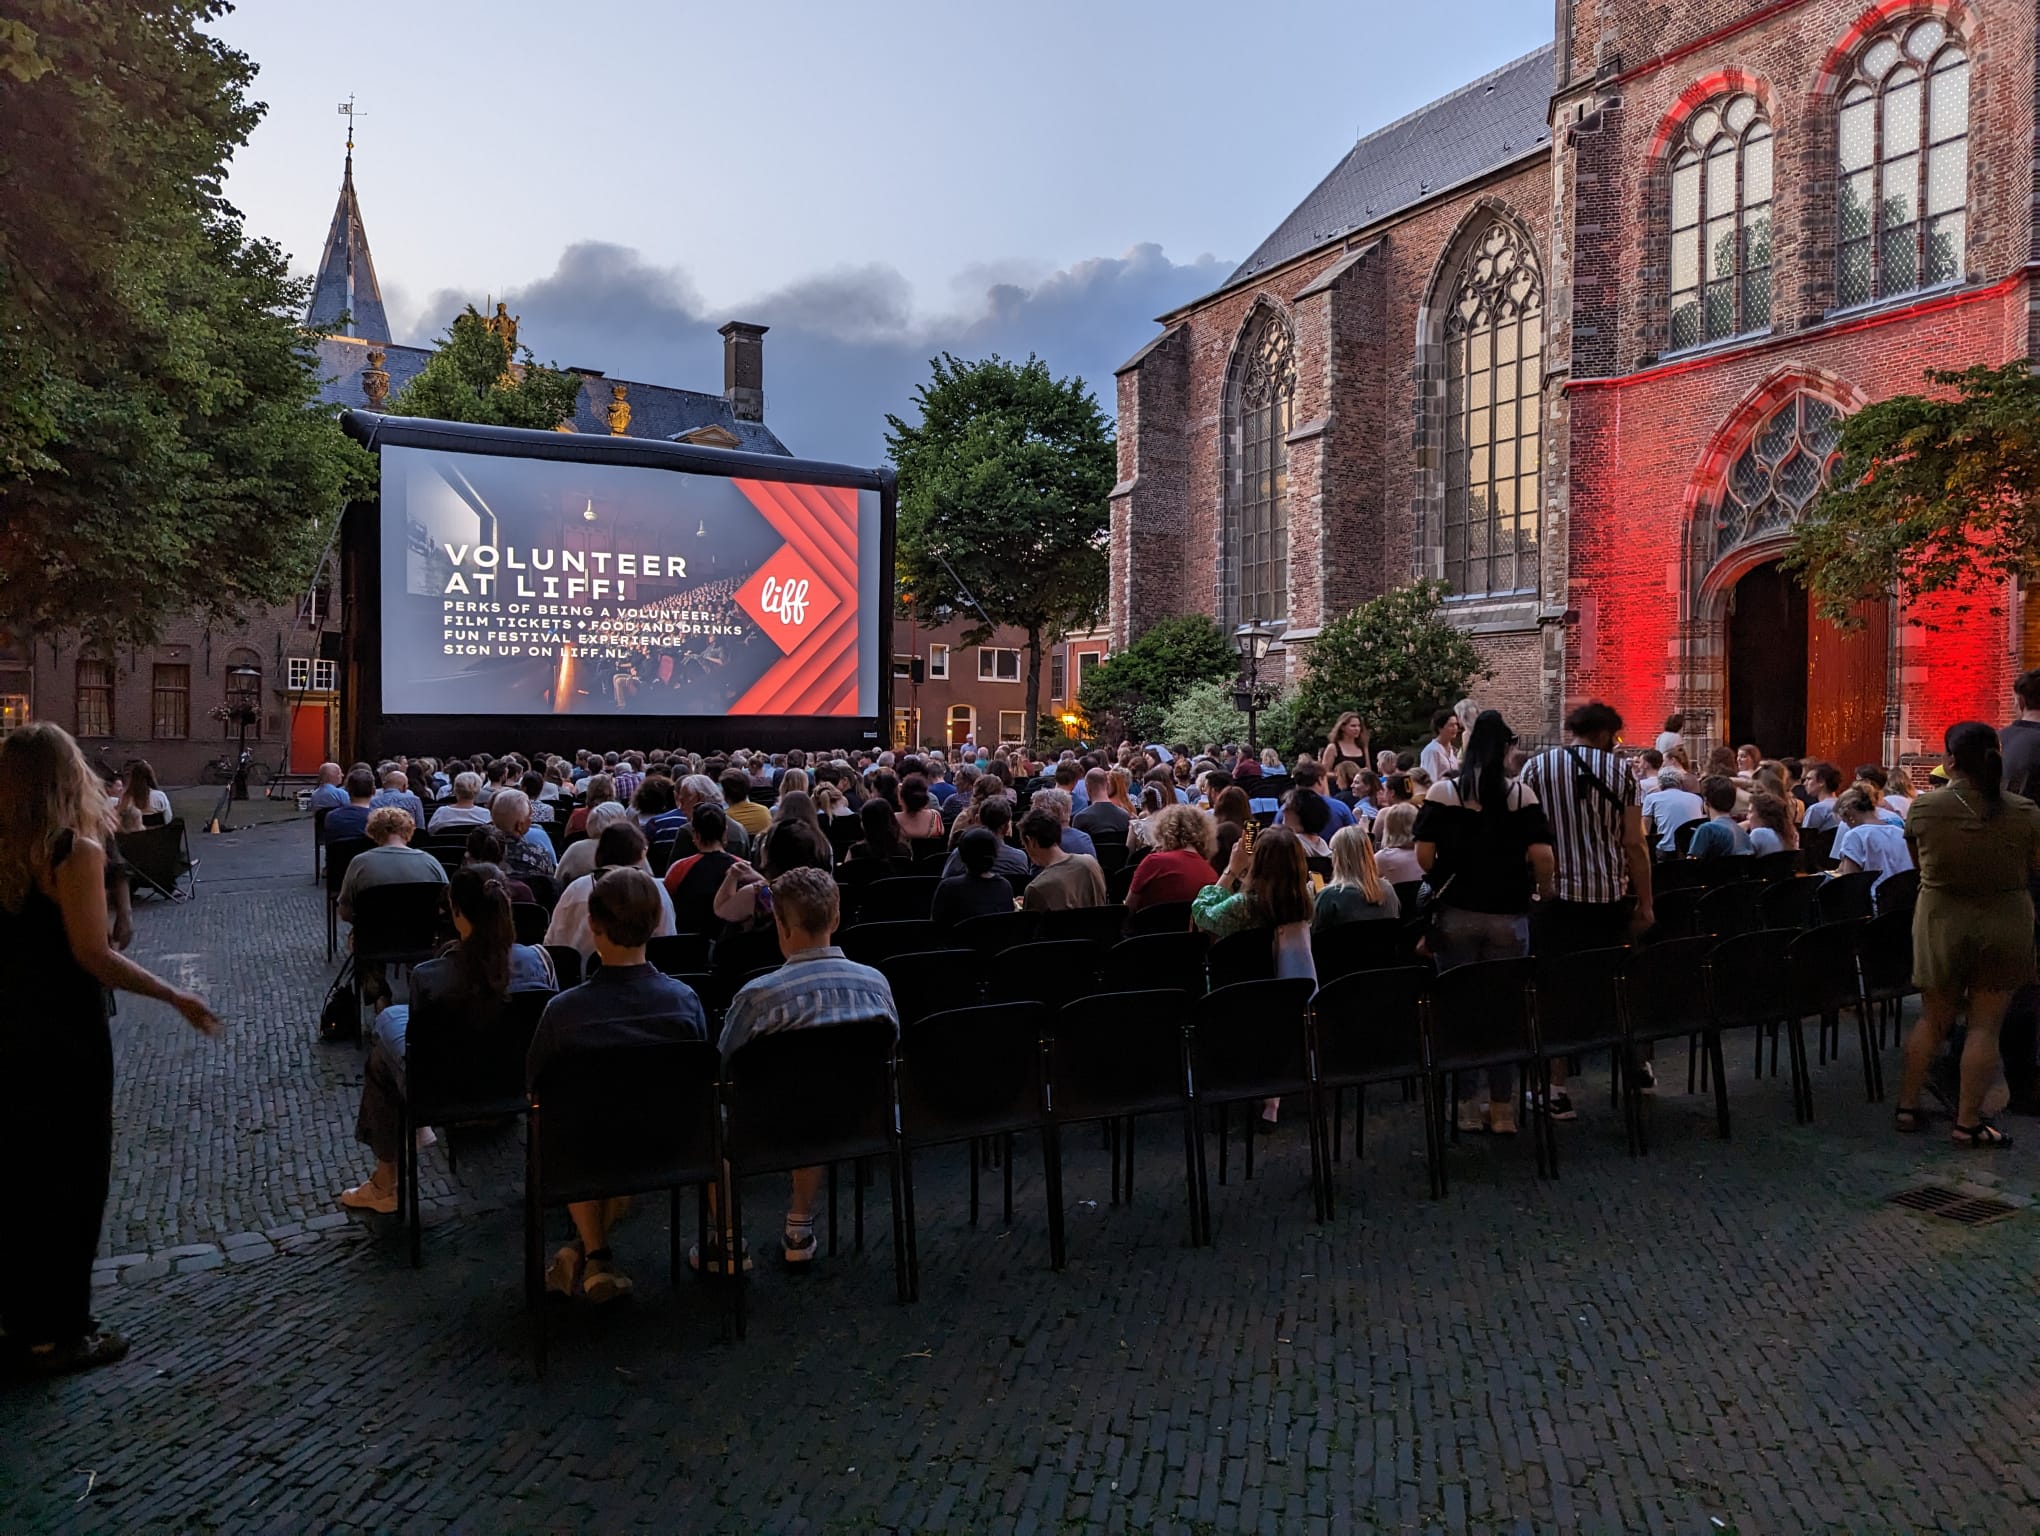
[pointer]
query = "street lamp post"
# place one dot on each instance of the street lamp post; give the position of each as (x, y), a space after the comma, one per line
(244, 716)
(1253, 639)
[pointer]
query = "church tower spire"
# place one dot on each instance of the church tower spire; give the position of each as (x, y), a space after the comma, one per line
(346, 283)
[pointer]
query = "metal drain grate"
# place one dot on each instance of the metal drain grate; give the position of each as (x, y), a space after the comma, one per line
(1953, 1205)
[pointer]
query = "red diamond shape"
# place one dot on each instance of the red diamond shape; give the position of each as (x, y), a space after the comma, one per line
(787, 599)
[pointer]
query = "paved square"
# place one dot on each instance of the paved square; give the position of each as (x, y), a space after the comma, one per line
(1741, 1333)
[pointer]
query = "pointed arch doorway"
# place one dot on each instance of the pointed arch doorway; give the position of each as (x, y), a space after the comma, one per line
(1799, 686)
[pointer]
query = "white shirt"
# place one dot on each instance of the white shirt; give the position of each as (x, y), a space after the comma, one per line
(1439, 761)
(449, 817)
(1670, 809)
(1876, 846)
(1899, 803)
(1398, 866)
(569, 926)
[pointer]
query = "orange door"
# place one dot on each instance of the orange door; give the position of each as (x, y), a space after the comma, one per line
(307, 738)
(1845, 681)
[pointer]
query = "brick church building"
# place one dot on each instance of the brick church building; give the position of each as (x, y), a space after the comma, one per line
(1578, 339)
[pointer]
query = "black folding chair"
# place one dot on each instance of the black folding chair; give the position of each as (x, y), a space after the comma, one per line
(1677, 913)
(993, 932)
(1482, 1016)
(1821, 972)
(1052, 974)
(545, 890)
(1678, 875)
(970, 1074)
(160, 859)
(1250, 1042)
(1579, 1009)
(897, 898)
(1747, 989)
(1096, 925)
(926, 982)
(1900, 892)
(530, 920)
(1884, 958)
(397, 925)
(870, 943)
(1788, 903)
(1682, 835)
(1845, 898)
(1111, 856)
(1368, 1028)
(1816, 848)
(1115, 1056)
(318, 840)
(1666, 994)
(621, 1120)
(1118, 883)
(920, 848)
(339, 854)
(1153, 960)
(1729, 909)
(1161, 917)
(1364, 946)
(567, 966)
(682, 954)
(1245, 956)
(1782, 865)
(740, 953)
(468, 1066)
(808, 1098)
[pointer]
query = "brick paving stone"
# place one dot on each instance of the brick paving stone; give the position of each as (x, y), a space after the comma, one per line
(1735, 1331)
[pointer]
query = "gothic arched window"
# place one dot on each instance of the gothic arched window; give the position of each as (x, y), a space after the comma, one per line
(1786, 463)
(1721, 223)
(1257, 492)
(1902, 145)
(1494, 381)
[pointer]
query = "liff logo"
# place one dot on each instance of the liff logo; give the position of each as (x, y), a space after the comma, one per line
(786, 598)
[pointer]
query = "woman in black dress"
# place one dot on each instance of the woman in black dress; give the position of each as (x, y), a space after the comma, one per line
(55, 1051)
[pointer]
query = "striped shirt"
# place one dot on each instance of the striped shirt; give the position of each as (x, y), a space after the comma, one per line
(814, 988)
(1586, 825)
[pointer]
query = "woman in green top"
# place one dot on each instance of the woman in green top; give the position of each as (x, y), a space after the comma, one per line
(1976, 847)
(1266, 884)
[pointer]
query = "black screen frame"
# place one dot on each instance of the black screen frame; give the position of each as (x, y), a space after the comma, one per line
(368, 734)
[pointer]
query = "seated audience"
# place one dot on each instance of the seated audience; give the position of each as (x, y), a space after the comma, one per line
(1866, 840)
(526, 850)
(328, 795)
(795, 839)
(1356, 893)
(1184, 841)
(599, 789)
(351, 819)
(485, 846)
(1062, 880)
(621, 846)
(882, 842)
(456, 815)
(996, 817)
(1396, 860)
(917, 817)
(1672, 807)
(1721, 836)
(1102, 814)
(627, 1002)
(392, 861)
(1771, 829)
(980, 888)
(463, 992)
(739, 807)
(579, 859)
(693, 881)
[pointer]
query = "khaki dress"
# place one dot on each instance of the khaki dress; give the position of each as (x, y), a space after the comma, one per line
(1973, 928)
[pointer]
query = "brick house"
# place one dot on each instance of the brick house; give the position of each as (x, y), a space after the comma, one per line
(946, 692)
(156, 702)
(1578, 339)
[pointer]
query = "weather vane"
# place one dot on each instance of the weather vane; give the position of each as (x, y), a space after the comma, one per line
(347, 111)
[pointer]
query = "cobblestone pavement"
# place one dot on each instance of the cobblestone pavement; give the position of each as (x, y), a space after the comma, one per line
(1732, 1336)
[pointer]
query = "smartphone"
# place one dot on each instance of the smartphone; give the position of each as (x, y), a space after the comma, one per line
(1247, 836)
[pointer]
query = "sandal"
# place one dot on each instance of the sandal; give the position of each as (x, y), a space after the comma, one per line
(1909, 1122)
(1981, 1134)
(102, 1346)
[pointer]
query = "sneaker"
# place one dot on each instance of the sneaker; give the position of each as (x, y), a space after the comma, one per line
(563, 1276)
(1646, 1077)
(604, 1282)
(709, 1260)
(1560, 1107)
(1501, 1119)
(371, 1196)
(797, 1245)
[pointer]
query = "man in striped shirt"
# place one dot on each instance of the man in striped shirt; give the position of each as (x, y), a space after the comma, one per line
(1603, 893)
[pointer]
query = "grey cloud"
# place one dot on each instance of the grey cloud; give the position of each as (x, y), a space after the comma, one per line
(845, 347)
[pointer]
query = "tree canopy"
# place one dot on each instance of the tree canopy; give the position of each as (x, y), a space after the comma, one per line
(1933, 494)
(163, 449)
(1131, 692)
(1004, 482)
(1395, 661)
(476, 374)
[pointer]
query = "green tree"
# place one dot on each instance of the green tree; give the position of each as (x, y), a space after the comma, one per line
(1003, 489)
(1130, 693)
(1394, 660)
(476, 375)
(1933, 494)
(163, 450)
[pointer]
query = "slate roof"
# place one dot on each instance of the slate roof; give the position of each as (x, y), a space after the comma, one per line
(1476, 129)
(656, 410)
(346, 283)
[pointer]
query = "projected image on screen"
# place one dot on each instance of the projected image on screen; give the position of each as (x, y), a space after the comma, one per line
(516, 586)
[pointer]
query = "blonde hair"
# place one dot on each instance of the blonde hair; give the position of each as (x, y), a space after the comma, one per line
(1397, 824)
(46, 790)
(793, 779)
(1353, 863)
(1183, 826)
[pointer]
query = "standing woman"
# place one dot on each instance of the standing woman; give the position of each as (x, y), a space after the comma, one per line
(1976, 847)
(1485, 848)
(1347, 744)
(55, 1051)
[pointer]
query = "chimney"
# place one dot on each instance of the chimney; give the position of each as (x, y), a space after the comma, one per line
(744, 370)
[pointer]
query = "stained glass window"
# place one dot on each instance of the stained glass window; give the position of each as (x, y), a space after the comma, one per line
(1787, 462)
(1494, 386)
(1257, 531)
(1902, 148)
(1721, 223)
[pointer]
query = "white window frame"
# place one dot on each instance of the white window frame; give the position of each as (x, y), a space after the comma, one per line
(325, 675)
(938, 662)
(902, 668)
(1087, 663)
(298, 673)
(1019, 719)
(988, 665)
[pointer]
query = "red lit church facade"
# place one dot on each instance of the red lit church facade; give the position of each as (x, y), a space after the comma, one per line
(1579, 339)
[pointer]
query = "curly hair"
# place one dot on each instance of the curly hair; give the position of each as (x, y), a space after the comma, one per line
(1183, 826)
